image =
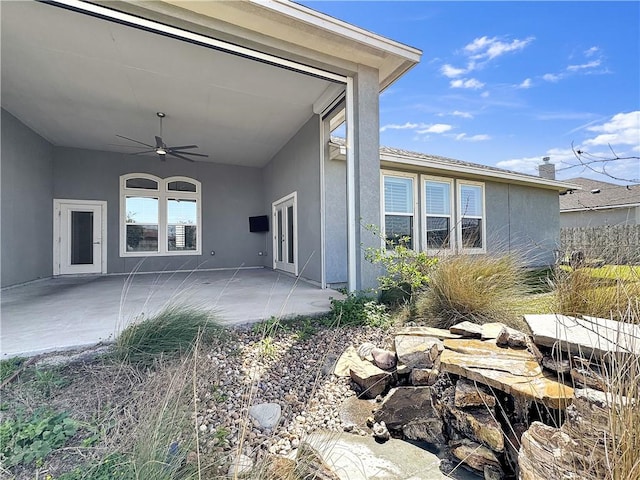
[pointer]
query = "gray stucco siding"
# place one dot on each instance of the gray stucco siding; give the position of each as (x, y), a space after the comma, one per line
(230, 195)
(296, 168)
(27, 205)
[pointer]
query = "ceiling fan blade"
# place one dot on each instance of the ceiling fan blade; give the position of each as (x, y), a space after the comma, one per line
(179, 156)
(159, 143)
(183, 147)
(137, 141)
(144, 151)
(172, 150)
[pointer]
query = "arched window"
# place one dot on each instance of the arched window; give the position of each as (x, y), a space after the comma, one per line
(159, 216)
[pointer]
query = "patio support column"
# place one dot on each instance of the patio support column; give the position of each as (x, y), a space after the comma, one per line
(363, 175)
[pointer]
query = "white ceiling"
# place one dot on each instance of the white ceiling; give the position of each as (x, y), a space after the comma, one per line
(79, 80)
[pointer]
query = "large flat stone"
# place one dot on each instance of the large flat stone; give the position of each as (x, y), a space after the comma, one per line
(584, 336)
(509, 370)
(373, 381)
(348, 358)
(416, 351)
(427, 332)
(353, 457)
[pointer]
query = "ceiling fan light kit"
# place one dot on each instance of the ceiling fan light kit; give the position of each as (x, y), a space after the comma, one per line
(162, 149)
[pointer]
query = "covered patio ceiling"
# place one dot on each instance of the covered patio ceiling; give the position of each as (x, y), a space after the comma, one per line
(79, 81)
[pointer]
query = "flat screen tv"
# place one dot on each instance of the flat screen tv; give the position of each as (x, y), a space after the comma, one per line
(259, 224)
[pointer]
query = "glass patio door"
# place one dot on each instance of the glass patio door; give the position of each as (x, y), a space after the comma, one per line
(79, 238)
(285, 254)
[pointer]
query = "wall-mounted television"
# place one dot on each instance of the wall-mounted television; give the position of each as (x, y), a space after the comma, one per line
(259, 223)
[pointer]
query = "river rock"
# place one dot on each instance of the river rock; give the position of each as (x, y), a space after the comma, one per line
(380, 432)
(384, 359)
(266, 414)
(364, 351)
(417, 351)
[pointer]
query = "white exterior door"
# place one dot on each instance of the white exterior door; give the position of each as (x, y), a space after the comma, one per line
(79, 231)
(285, 235)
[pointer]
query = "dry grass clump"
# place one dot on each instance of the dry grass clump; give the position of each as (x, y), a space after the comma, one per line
(581, 292)
(477, 288)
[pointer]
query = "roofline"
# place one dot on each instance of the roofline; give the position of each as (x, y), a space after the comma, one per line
(475, 171)
(340, 27)
(605, 207)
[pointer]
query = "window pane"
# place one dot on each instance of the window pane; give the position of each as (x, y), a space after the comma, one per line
(81, 238)
(438, 231)
(398, 230)
(181, 186)
(470, 200)
(182, 211)
(290, 233)
(182, 237)
(438, 199)
(142, 210)
(398, 195)
(142, 238)
(471, 233)
(143, 183)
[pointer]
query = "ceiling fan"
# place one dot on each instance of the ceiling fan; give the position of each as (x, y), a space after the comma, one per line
(162, 149)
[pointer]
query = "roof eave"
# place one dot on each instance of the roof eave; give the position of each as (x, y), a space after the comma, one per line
(603, 207)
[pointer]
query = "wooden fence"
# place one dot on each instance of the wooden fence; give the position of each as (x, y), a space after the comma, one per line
(619, 244)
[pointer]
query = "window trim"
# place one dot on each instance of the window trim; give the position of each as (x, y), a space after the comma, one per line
(415, 233)
(460, 216)
(452, 215)
(163, 194)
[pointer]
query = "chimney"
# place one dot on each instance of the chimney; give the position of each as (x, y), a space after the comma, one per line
(547, 170)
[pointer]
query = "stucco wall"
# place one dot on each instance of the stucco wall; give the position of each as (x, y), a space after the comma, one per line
(296, 168)
(335, 172)
(598, 218)
(230, 195)
(27, 206)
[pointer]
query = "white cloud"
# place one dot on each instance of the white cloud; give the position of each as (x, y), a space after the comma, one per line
(621, 129)
(552, 77)
(530, 164)
(404, 126)
(451, 71)
(484, 48)
(526, 83)
(470, 83)
(435, 128)
(457, 113)
(485, 94)
(472, 138)
(591, 52)
(584, 66)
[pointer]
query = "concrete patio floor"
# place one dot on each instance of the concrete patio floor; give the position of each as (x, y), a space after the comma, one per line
(66, 312)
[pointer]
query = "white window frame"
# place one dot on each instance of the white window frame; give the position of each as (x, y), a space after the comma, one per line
(415, 230)
(460, 216)
(163, 194)
(452, 214)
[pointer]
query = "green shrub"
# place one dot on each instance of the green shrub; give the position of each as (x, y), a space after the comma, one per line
(9, 366)
(477, 288)
(359, 309)
(25, 440)
(172, 332)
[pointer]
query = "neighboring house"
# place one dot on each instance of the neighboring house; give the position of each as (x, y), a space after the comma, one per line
(600, 203)
(258, 86)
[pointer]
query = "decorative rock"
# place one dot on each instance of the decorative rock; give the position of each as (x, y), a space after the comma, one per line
(467, 330)
(491, 331)
(475, 455)
(584, 377)
(512, 371)
(410, 410)
(310, 464)
(416, 351)
(512, 338)
(364, 351)
(348, 358)
(266, 414)
(424, 376)
(354, 412)
(438, 333)
(492, 473)
(470, 394)
(561, 366)
(384, 359)
(372, 380)
(241, 466)
(380, 432)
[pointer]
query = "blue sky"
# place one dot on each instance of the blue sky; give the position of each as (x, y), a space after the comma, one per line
(507, 83)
